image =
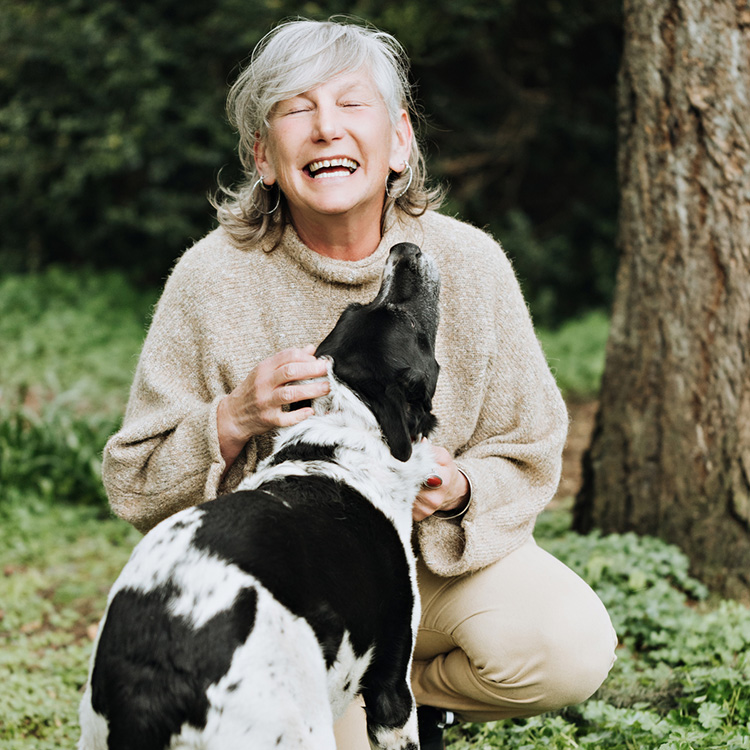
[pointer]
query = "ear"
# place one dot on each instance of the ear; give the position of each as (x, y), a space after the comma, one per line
(420, 388)
(421, 379)
(262, 160)
(401, 143)
(390, 411)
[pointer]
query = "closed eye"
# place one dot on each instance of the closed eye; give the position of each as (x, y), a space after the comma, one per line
(294, 106)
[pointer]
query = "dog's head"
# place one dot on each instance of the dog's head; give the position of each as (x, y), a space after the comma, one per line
(385, 350)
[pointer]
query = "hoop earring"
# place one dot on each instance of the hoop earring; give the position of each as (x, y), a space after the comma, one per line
(408, 184)
(265, 190)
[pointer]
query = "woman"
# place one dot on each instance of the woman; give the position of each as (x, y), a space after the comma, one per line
(335, 178)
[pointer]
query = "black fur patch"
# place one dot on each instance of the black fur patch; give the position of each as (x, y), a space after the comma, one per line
(327, 555)
(303, 452)
(152, 669)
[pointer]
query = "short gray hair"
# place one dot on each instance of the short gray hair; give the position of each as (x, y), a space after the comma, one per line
(293, 58)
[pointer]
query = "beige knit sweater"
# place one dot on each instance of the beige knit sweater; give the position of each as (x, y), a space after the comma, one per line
(225, 309)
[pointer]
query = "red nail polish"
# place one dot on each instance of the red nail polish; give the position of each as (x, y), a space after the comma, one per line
(434, 481)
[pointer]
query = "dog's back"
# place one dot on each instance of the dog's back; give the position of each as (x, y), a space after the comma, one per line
(315, 573)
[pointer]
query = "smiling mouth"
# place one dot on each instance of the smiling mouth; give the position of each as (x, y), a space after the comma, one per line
(316, 169)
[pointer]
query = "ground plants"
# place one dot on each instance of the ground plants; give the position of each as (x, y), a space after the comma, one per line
(72, 337)
(682, 679)
(70, 343)
(56, 564)
(681, 682)
(52, 455)
(575, 353)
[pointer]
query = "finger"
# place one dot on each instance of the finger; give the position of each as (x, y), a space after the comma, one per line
(285, 357)
(422, 510)
(293, 354)
(289, 418)
(430, 501)
(291, 394)
(291, 372)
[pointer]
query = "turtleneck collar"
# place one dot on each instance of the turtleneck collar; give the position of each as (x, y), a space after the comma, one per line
(332, 270)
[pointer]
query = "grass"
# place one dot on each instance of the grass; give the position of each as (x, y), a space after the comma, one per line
(575, 353)
(70, 337)
(70, 346)
(70, 343)
(56, 564)
(682, 679)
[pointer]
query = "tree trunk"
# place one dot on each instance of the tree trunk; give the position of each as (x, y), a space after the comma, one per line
(670, 454)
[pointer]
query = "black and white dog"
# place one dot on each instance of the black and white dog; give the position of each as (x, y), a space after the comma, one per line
(253, 620)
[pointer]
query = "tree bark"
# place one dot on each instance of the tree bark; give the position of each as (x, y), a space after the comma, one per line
(670, 454)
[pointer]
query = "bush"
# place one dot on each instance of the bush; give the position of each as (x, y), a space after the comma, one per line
(70, 345)
(576, 352)
(112, 130)
(112, 127)
(53, 456)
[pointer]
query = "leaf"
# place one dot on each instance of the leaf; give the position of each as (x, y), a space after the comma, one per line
(711, 715)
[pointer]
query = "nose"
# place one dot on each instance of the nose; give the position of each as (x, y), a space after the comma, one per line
(326, 124)
(405, 250)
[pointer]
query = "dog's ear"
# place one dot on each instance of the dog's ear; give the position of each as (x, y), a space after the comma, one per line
(391, 411)
(404, 410)
(420, 385)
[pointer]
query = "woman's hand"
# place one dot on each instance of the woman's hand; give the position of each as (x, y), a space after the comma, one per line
(451, 493)
(256, 405)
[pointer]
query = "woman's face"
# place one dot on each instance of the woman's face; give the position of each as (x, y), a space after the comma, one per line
(332, 148)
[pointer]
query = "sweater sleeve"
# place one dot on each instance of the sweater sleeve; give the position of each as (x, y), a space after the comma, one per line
(513, 459)
(166, 455)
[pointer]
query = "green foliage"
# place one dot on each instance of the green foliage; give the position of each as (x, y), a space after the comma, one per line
(69, 348)
(70, 344)
(682, 679)
(653, 575)
(57, 564)
(683, 685)
(521, 107)
(575, 353)
(112, 126)
(555, 284)
(72, 334)
(55, 456)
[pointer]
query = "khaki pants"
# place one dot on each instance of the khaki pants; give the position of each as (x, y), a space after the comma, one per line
(518, 638)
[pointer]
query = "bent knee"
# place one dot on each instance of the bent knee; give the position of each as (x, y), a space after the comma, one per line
(550, 669)
(577, 670)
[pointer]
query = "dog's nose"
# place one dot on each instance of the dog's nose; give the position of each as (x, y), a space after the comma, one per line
(406, 250)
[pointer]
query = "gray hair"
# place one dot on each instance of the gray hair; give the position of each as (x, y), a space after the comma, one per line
(293, 58)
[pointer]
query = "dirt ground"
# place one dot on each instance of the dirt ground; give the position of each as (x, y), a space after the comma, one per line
(582, 416)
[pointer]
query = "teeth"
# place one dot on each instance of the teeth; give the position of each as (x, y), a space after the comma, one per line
(315, 166)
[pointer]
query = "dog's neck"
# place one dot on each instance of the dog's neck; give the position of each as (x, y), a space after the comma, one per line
(343, 405)
(344, 423)
(340, 408)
